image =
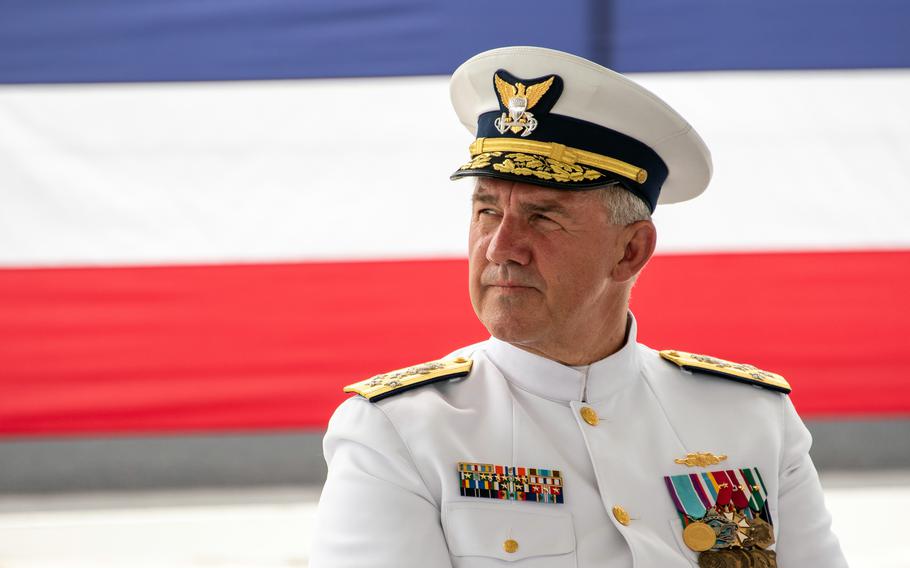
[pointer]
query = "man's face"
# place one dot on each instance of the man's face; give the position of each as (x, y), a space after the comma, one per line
(540, 262)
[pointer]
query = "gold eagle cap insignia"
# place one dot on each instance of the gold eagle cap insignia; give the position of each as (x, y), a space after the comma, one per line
(532, 94)
(519, 99)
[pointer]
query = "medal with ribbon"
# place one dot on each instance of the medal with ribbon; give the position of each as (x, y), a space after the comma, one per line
(725, 517)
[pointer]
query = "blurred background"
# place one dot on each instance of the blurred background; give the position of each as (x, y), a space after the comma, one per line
(214, 215)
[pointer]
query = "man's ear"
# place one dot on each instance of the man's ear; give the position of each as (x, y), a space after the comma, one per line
(640, 238)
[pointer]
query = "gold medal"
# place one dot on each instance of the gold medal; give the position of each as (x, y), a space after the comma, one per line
(699, 536)
(761, 534)
(743, 558)
(763, 558)
(720, 559)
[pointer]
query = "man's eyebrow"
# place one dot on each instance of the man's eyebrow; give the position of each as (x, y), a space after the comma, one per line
(481, 197)
(548, 206)
(545, 206)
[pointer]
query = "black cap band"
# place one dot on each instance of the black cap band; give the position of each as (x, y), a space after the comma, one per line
(592, 138)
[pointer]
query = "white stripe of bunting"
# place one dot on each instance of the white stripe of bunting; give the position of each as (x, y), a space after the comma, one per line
(357, 169)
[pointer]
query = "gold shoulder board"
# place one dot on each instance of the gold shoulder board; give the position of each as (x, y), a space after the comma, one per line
(389, 384)
(727, 369)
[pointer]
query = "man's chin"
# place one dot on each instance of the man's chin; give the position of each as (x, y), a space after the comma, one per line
(511, 329)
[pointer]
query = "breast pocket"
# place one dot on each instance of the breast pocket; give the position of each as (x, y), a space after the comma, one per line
(485, 534)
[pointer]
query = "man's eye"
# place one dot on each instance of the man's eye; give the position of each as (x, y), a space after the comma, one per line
(487, 212)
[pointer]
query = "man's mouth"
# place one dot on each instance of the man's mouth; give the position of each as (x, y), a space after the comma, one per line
(509, 287)
(506, 284)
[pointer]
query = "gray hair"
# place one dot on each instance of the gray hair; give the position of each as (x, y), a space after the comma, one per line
(623, 205)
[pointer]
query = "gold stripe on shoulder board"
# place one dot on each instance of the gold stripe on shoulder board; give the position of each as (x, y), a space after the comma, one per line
(727, 369)
(387, 384)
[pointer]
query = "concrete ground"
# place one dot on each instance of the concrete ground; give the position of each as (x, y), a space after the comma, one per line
(271, 527)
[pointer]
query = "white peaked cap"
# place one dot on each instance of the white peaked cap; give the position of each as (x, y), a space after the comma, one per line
(596, 95)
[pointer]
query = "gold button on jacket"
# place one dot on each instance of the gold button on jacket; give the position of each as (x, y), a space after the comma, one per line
(589, 415)
(621, 515)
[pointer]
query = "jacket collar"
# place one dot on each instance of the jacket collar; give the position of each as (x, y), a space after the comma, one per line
(555, 381)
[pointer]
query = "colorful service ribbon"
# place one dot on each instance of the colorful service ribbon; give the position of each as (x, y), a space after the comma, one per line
(694, 494)
(510, 483)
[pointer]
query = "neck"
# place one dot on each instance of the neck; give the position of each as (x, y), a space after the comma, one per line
(584, 348)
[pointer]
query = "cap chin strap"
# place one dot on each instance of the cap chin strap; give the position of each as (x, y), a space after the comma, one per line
(560, 153)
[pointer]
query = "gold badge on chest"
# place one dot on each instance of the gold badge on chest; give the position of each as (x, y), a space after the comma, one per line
(700, 459)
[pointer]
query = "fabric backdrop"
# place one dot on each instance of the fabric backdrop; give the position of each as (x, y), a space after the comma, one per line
(189, 245)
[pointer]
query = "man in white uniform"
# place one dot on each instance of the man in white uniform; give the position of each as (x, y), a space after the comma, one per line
(562, 441)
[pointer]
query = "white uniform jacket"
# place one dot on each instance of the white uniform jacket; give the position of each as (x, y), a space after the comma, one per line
(392, 496)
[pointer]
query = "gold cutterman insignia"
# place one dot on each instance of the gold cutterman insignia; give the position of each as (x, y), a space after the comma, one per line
(727, 369)
(384, 385)
(700, 459)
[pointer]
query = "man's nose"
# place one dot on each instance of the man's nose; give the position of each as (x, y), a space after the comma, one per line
(509, 243)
